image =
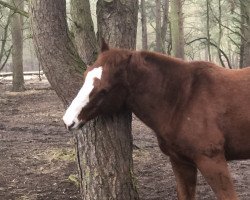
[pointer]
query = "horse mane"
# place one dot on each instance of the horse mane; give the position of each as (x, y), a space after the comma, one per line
(114, 57)
(201, 71)
(166, 62)
(186, 80)
(160, 59)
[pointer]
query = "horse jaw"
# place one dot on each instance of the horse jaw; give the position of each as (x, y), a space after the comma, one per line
(70, 117)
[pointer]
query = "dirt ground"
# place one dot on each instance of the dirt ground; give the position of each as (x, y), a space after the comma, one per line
(37, 153)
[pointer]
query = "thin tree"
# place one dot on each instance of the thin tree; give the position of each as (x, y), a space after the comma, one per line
(144, 26)
(5, 51)
(220, 33)
(245, 36)
(164, 28)
(158, 38)
(208, 30)
(17, 49)
(14, 7)
(177, 30)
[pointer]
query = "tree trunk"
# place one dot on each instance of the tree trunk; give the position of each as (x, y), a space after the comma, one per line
(55, 51)
(208, 31)
(164, 27)
(17, 49)
(105, 159)
(144, 26)
(177, 28)
(220, 34)
(83, 29)
(245, 28)
(104, 146)
(158, 41)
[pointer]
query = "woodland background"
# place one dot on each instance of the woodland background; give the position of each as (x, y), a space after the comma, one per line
(213, 30)
(61, 38)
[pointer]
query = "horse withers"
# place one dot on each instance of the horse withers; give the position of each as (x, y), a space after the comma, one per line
(200, 112)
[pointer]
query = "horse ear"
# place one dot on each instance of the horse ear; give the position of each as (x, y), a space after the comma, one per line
(104, 46)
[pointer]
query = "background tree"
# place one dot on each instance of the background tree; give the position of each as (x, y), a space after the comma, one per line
(144, 25)
(161, 26)
(83, 28)
(7, 9)
(177, 30)
(5, 50)
(228, 25)
(104, 146)
(208, 30)
(17, 49)
(220, 32)
(245, 29)
(158, 39)
(164, 27)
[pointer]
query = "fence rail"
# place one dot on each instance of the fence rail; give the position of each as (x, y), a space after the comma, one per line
(30, 73)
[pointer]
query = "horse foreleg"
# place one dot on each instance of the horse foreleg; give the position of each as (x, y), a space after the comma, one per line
(215, 171)
(186, 176)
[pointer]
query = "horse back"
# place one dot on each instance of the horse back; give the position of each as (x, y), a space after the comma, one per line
(226, 98)
(234, 121)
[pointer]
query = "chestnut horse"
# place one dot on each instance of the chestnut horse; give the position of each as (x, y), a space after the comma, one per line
(200, 112)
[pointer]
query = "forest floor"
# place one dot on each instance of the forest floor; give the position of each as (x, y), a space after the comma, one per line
(37, 153)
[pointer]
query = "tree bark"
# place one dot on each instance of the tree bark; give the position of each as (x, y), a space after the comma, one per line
(245, 28)
(177, 28)
(17, 49)
(144, 26)
(104, 146)
(119, 27)
(83, 29)
(158, 41)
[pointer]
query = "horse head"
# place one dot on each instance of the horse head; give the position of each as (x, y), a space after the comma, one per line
(104, 90)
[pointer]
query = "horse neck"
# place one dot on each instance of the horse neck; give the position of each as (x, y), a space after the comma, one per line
(156, 88)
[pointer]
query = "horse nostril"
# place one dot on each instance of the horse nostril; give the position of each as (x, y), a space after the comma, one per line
(81, 125)
(69, 127)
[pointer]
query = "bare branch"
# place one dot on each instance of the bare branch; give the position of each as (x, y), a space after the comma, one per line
(6, 58)
(211, 43)
(15, 9)
(5, 36)
(235, 43)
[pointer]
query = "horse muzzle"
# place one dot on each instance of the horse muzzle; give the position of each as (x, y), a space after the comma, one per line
(74, 126)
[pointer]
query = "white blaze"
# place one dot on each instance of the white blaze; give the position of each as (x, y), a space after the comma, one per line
(82, 98)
